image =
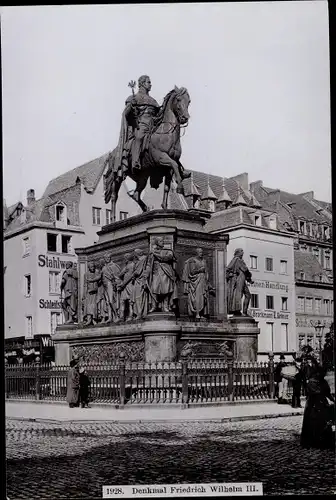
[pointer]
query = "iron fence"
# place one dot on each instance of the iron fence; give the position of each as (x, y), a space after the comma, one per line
(184, 382)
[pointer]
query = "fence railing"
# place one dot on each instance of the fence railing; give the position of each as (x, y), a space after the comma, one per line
(184, 382)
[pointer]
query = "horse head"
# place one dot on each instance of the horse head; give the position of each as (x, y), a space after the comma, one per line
(180, 104)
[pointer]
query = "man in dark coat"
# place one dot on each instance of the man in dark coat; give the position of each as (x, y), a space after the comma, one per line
(84, 385)
(73, 384)
(278, 379)
(297, 383)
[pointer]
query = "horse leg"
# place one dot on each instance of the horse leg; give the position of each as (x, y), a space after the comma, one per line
(166, 161)
(136, 195)
(166, 190)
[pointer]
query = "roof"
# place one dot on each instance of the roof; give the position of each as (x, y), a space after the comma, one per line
(298, 206)
(307, 263)
(234, 216)
(88, 174)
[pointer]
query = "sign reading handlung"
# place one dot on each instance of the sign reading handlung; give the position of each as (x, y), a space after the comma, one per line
(54, 262)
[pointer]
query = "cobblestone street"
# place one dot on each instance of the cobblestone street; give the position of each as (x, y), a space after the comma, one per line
(74, 460)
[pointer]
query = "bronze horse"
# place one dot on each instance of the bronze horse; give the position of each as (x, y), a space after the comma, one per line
(161, 158)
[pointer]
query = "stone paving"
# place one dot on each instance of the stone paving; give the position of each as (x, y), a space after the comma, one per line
(69, 460)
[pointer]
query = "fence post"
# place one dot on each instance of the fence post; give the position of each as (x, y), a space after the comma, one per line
(185, 396)
(38, 380)
(271, 375)
(122, 377)
(230, 375)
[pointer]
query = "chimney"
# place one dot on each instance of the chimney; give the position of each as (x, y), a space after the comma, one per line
(30, 196)
(308, 196)
(255, 185)
(242, 180)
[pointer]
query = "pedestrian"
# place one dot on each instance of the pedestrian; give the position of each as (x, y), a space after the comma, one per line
(281, 383)
(297, 382)
(72, 396)
(84, 385)
(319, 415)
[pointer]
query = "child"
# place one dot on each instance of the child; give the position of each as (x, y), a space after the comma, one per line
(84, 384)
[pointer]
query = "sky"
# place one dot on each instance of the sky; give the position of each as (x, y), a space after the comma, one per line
(257, 74)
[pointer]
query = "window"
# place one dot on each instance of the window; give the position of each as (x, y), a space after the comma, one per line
(302, 227)
(108, 216)
(273, 223)
(270, 336)
(66, 244)
(254, 301)
(269, 264)
(315, 230)
(52, 242)
(54, 282)
(326, 232)
(27, 280)
(284, 303)
(300, 304)
(284, 337)
(302, 275)
(60, 213)
(332, 307)
(96, 216)
(124, 215)
(257, 220)
(253, 262)
(326, 306)
(29, 327)
(269, 302)
(55, 320)
(327, 261)
(317, 253)
(283, 266)
(309, 305)
(26, 246)
(318, 306)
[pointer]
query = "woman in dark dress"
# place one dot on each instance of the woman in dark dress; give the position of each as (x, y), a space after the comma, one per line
(319, 414)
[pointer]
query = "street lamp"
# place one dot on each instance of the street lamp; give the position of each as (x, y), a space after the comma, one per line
(319, 327)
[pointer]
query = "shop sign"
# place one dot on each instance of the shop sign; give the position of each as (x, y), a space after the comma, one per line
(268, 314)
(50, 304)
(312, 323)
(271, 285)
(54, 262)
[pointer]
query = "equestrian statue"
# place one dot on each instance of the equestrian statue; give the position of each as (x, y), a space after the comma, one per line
(149, 144)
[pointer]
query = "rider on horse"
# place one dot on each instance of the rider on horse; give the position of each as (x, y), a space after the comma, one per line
(140, 112)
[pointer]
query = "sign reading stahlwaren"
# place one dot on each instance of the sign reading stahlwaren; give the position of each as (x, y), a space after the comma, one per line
(54, 262)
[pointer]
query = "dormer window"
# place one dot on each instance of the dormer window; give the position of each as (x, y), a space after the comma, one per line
(197, 203)
(326, 232)
(302, 227)
(257, 220)
(60, 213)
(302, 275)
(272, 223)
(211, 205)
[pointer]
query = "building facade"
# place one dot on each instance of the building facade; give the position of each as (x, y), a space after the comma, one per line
(41, 236)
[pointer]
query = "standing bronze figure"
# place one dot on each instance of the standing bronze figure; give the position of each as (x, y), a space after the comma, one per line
(237, 276)
(149, 144)
(69, 293)
(196, 285)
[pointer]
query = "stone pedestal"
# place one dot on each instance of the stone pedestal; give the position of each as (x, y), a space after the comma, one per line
(62, 353)
(160, 332)
(245, 332)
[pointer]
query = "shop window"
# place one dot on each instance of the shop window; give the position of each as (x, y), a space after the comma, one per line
(52, 242)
